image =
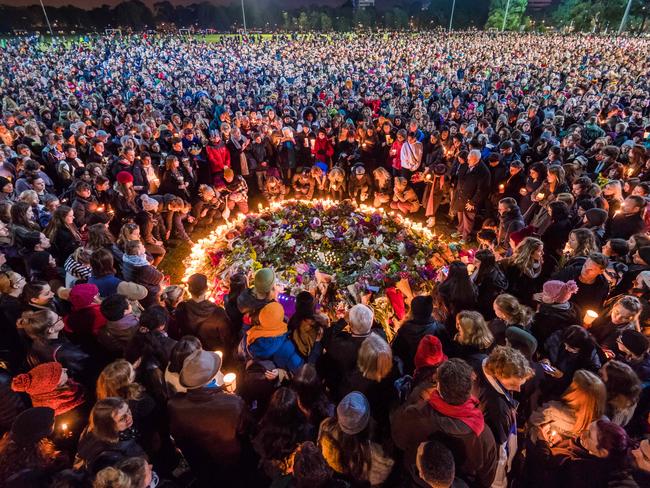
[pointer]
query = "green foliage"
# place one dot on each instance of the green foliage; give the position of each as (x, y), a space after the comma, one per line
(588, 15)
(516, 14)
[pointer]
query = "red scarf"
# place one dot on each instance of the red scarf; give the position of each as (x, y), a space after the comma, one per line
(468, 413)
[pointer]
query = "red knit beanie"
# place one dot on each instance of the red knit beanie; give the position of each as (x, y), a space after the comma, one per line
(429, 352)
(124, 177)
(44, 378)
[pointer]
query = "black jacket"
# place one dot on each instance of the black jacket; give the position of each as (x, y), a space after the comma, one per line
(409, 336)
(625, 226)
(549, 319)
(472, 187)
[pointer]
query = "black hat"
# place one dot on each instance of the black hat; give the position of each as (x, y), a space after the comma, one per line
(522, 341)
(4, 182)
(422, 307)
(644, 253)
(596, 216)
(32, 425)
(440, 169)
(635, 342)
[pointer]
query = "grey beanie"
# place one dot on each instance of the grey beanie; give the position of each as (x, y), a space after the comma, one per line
(353, 413)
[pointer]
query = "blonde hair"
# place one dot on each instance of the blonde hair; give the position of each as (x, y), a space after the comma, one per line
(474, 330)
(111, 477)
(523, 255)
(28, 196)
(375, 358)
(516, 312)
(508, 362)
(116, 380)
(587, 397)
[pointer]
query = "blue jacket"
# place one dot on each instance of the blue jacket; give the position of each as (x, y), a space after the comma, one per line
(107, 285)
(278, 349)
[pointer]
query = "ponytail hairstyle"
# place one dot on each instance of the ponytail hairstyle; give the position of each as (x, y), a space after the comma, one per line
(515, 312)
(36, 324)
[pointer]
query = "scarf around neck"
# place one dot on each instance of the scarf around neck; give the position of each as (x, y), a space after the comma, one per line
(468, 412)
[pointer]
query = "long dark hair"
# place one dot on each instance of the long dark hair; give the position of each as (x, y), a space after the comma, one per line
(58, 222)
(458, 286)
(354, 451)
(283, 426)
(304, 309)
(19, 218)
(488, 264)
(311, 393)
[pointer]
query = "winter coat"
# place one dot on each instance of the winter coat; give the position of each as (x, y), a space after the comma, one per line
(509, 222)
(206, 424)
(472, 187)
(278, 349)
(556, 236)
(61, 350)
(147, 276)
(550, 318)
(206, 321)
(116, 335)
(90, 449)
(218, 157)
(625, 226)
(417, 421)
(492, 284)
(63, 244)
(107, 285)
(409, 336)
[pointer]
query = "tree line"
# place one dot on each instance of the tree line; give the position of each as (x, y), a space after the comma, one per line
(264, 15)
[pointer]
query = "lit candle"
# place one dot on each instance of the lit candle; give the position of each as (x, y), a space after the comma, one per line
(502, 187)
(259, 207)
(64, 427)
(540, 196)
(589, 318)
(230, 382)
(630, 171)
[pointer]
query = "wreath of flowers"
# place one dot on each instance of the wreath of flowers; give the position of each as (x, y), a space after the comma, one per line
(339, 250)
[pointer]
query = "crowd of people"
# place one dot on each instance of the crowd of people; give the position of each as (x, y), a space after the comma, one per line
(529, 363)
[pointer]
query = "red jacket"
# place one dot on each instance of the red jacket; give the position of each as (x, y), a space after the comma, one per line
(218, 157)
(395, 160)
(323, 150)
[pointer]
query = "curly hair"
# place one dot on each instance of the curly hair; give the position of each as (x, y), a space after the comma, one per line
(507, 362)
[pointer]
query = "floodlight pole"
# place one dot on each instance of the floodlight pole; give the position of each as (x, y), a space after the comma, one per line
(243, 15)
(505, 16)
(47, 19)
(451, 17)
(625, 16)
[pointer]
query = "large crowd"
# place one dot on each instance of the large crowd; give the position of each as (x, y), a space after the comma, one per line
(527, 366)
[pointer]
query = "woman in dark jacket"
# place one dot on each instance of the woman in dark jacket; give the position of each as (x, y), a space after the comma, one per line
(555, 311)
(433, 151)
(411, 332)
(489, 280)
(557, 233)
(109, 433)
(174, 180)
(458, 291)
(569, 350)
(63, 234)
(536, 178)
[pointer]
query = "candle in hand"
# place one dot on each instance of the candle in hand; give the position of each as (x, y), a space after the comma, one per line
(589, 317)
(230, 382)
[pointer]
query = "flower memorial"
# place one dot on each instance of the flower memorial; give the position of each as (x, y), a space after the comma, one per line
(341, 251)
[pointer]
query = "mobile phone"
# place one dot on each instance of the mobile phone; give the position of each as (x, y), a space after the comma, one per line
(548, 368)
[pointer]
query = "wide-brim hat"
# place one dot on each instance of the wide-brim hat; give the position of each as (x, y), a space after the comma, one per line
(199, 369)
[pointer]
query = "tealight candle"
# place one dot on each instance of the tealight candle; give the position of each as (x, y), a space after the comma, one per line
(502, 187)
(589, 317)
(230, 382)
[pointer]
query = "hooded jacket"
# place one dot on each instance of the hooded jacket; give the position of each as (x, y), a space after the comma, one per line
(116, 334)
(206, 321)
(409, 336)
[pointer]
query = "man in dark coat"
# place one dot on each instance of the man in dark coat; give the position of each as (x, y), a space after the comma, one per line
(449, 413)
(630, 221)
(206, 421)
(470, 193)
(203, 319)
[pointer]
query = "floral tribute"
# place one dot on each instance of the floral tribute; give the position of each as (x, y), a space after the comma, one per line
(340, 251)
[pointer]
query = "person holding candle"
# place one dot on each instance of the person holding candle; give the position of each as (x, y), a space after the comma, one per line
(623, 315)
(206, 421)
(593, 288)
(510, 220)
(630, 220)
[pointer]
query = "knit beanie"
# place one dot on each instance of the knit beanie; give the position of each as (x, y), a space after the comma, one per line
(429, 352)
(124, 177)
(42, 379)
(596, 216)
(422, 307)
(522, 341)
(32, 425)
(555, 291)
(353, 413)
(82, 295)
(4, 182)
(520, 235)
(635, 342)
(149, 204)
(264, 281)
(644, 254)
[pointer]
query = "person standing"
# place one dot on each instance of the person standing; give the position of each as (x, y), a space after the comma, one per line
(471, 192)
